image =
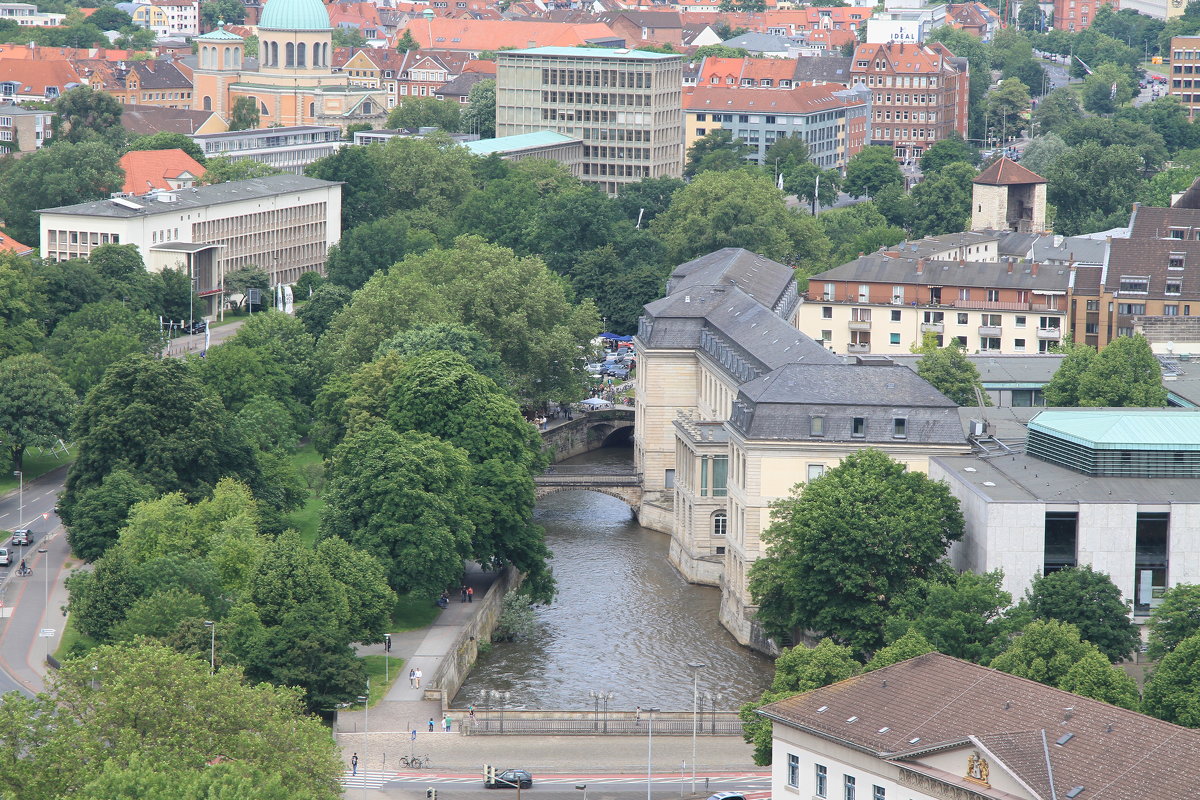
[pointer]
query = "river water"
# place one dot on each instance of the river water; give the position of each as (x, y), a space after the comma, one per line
(624, 621)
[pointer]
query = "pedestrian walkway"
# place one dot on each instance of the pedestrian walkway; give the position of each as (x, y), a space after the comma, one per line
(404, 708)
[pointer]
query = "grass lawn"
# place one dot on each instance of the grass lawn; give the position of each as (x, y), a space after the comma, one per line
(36, 465)
(375, 672)
(413, 611)
(307, 518)
(72, 640)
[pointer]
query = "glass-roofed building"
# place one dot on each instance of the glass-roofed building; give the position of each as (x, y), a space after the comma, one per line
(1118, 489)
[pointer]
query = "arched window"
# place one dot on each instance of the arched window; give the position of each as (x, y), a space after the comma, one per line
(262, 107)
(367, 108)
(317, 55)
(204, 58)
(720, 523)
(237, 58)
(207, 103)
(290, 54)
(227, 60)
(274, 54)
(300, 48)
(312, 110)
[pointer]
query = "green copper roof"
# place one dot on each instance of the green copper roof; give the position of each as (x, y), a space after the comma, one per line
(219, 34)
(294, 15)
(1123, 429)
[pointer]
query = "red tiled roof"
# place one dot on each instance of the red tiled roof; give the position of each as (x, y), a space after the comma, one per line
(775, 69)
(907, 58)
(11, 245)
(33, 77)
(151, 169)
(801, 100)
(1005, 172)
(487, 34)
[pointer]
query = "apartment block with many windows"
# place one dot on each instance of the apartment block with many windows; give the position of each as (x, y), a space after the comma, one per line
(624, 104)
(1185, 71)
(920, 94)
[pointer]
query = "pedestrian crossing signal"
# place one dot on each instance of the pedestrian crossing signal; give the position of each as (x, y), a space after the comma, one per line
(489, 773)
(431, 793)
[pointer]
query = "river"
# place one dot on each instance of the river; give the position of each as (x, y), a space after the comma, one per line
(624, 621)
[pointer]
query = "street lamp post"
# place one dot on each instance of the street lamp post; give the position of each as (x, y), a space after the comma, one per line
(20, 497)
(366, 733)
(695, 666)
(650, 750)
(212, 645)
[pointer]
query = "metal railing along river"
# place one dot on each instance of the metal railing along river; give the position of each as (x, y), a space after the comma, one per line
(589, 723)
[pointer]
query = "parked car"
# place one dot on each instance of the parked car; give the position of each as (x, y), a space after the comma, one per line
(620, 373)
(5, 558)
(595, 369)
(511, 779)
(199, 326)
(21, 537)
(727, 796)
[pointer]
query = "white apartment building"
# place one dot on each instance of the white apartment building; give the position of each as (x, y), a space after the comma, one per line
(27, 15)
(288, 148)
(283, 224)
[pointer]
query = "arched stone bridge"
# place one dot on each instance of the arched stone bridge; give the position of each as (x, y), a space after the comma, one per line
(590, 431)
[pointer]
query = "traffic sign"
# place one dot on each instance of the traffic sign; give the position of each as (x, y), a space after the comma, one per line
(46, 633)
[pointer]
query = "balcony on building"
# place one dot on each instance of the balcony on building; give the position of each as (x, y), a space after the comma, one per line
(859, 324)
(1049, 333)
(990, 330)
(854, 347)
(933, 327)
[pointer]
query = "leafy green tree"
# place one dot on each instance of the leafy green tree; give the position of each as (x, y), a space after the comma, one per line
(145, 703)
(451, 338)
(1093, 676)
(647, 198)
(320, 309)
(858, 228)
(1175, 619)
(797, 670)
(369, 600)
(480, 114)
(1063, 388)
(968, 616)
(1044, 652)
(82, 113)
(402, 497)
(537, 332)
(720, 51)
(222, 169)
(1031, 17)
(370, 247)
(739, 209)
(285, 342)
(1099, 96)
(348, 37)
(231, 12)
(910, 645)
(68, 286)
(716, 150)
(1006, 105)
(145, 780)
(110, 18)
(165, 140)
(62, 174)
(153, 418)
(1173, 690)
(1091, 186)
(363, 183)
(1041, 152)
(267, 424)
(1091, 602)
(101, 511)
(1150, 146)
(244, 115)
(429, 176)
(843, 547)
(950, 372)
(1056, 111)
(36, 405)
(951, 150)
(1125, 373)
(870, 170)
(241, 280)
(427, 112)
(236, 374)
(979, 61)
(407, 43)
(307, 283)
(942, 202)
(85, 344)
(1170, 119)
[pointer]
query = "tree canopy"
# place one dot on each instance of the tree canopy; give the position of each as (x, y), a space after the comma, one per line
(36, 405)
(1175, 619)
(1091, 602)
(1173, 690)
(950, 372)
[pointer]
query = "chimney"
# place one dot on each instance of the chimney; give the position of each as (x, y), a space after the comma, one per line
(1009, 260)
(962, 262)
(1033, 268)
(920, 265)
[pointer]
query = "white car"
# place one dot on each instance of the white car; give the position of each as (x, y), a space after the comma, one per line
(5, 558)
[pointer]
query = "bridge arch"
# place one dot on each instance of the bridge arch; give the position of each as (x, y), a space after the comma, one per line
(629, 495)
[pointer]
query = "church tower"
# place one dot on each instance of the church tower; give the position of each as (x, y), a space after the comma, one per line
(220, 62)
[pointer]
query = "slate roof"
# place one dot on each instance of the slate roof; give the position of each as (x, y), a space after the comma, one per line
(839, 383)
(997, 370)
(1005, 172)
(148, 120)
(758, 276)
(160, 74)
(1151, 222)
(943, 702)
(461, 85)
(761, 42)
(1078, 249)
(880, 268)
(824, 68)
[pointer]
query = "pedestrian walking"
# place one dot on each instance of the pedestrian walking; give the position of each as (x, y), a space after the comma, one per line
(354, 764)
(419, 676)
(463, 594)
(446, 722)
(470, 594)
(471, 712)
(431, 724)
(412, 679)
(387, 643)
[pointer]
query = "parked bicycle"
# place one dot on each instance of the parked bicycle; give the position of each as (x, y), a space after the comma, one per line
(414, 762)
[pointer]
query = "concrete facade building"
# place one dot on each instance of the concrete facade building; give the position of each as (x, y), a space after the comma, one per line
(27, 15)
(625, 105)
(290, 149)
(23, 130)
(283, 224)
(1185, 71)
(834, 121)
(937, 728)
(920, 94)
(735, 407)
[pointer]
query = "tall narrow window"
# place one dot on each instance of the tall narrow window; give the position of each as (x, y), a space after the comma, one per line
(1060, 541)
(849, 783)
(720, 524)
(793, 770)
(290, 53)
(1150, 561)
(822, 782)
(858, 427)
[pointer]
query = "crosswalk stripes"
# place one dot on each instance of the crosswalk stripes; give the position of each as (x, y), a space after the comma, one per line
(366, 778)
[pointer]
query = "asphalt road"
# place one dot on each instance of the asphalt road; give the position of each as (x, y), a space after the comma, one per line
(406, 785)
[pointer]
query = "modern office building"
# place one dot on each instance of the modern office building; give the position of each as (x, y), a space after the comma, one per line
(1185, 71)
(833, 120)
(920, 94)
(290, 149)
(283, 224)
(625, 105)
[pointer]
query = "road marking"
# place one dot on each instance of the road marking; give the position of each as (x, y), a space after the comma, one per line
(370, 779)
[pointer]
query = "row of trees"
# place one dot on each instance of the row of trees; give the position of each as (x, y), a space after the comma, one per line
(857, 559)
